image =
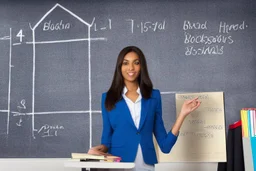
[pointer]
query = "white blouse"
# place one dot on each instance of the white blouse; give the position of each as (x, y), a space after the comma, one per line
(135, 110)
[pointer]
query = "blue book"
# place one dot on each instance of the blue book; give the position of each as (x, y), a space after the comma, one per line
(252, 138)
(251, 126)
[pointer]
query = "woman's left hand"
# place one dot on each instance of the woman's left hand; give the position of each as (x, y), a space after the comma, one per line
(189, 106)
(99, 150)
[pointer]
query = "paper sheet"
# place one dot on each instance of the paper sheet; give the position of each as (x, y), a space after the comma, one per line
(202, 136)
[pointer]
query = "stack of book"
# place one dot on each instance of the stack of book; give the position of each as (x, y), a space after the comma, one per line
(94, 157)
(248, 118)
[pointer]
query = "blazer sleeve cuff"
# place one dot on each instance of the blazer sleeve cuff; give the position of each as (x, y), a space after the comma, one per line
(106, 144)
(172, 136)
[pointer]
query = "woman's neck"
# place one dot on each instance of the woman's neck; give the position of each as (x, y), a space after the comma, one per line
(132, 86)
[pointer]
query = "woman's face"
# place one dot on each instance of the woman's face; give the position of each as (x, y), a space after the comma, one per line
(130, 67)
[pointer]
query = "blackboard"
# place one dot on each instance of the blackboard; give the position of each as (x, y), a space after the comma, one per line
(57, 57)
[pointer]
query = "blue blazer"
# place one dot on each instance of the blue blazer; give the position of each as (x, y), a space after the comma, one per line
(122, 137)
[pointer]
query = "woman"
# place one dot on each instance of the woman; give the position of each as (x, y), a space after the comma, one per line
(132, 113)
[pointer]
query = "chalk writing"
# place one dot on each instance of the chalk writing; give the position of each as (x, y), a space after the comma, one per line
(188, 25)
(199, 42)
(100, 27)
(20, 35)
(50, 26)
(207, 39)
(21, 107)
(205, 50)
(22, 104)
(49, 130)
(227, 28)
(147, 26)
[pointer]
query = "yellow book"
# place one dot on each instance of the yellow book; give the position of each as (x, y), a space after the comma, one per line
(243, 122)
(244, 118)
(246, 123)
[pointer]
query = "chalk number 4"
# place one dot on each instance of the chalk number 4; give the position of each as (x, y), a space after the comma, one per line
(20, 35)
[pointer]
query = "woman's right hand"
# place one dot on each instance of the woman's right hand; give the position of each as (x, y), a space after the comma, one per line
(99, 150)
(189, 106)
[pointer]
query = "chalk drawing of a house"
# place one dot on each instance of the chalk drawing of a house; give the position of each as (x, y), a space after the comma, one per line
(61, 75)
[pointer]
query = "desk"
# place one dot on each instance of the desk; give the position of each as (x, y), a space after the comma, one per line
(98, 166)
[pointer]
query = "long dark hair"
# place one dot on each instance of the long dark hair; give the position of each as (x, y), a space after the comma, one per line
(114, 93)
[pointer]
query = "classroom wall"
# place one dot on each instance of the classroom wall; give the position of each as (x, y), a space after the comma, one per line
(58, 57)
(62, 114)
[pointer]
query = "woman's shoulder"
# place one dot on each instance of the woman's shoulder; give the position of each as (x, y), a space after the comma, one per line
(155, 93)
(103, 95)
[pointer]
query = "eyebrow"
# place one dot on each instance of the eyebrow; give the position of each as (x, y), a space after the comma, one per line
(133, 60)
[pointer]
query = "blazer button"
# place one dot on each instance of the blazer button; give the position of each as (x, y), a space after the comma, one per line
(138, 133)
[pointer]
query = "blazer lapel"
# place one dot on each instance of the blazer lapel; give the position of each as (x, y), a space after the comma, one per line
(144, 111)
(127, 112)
